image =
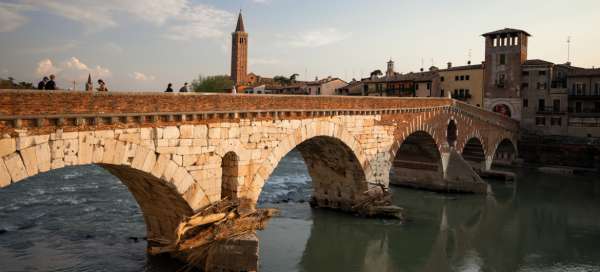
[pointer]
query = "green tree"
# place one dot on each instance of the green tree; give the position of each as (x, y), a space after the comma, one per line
(212, 84)
(376, 73)
(282, 80)
(10, 84)
(294, 77)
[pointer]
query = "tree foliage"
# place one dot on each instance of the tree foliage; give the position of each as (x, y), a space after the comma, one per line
(11, 84)
(283, 80)
(376, 73)
(212, 84)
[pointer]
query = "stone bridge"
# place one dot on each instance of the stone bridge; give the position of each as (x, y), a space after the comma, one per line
(178, 153)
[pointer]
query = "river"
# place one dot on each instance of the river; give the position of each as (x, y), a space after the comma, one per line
(84, 219)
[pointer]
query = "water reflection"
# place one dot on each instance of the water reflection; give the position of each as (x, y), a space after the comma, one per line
(542, 223)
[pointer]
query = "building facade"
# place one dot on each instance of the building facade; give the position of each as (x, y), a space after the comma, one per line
(545, 100)
(327, 86)
(584, 102)
(239, 53)
(463, 83)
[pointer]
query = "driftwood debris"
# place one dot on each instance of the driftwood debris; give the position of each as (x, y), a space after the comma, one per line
(219, 222)
(377, 202)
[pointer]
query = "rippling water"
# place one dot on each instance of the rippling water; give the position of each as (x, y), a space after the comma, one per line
(84, 219)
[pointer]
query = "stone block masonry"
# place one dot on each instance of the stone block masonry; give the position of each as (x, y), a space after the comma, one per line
(178, 153)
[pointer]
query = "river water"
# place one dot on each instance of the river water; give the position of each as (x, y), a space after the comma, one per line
(84, 219)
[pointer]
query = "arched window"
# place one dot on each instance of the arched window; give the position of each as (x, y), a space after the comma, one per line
(452, 133)
(229, 176)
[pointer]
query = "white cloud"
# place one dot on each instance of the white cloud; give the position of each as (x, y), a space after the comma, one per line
(200, 22)
(71, 70)
(46, 67)
(113, 47)
(318, 38)
(182, 19)
(142, 77)
(11, 17)
(84, 11)
(50, 49)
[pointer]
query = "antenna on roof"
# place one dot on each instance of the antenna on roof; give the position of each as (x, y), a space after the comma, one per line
(422, 63)
(569, 49)
(469, 60)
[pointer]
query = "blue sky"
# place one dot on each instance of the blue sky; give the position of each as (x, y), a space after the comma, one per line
(144, 44)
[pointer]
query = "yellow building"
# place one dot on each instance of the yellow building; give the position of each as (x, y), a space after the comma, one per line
(464, 83)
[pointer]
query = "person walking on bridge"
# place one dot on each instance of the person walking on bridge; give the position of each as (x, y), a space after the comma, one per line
(169, 88)
(102, 86)
(184, 89)
(51, 85)
(42, 84)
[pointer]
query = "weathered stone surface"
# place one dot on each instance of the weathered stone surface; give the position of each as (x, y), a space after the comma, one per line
(86, 148)
(4, 175)
(24, 142)
(109, 151)
(30, 160)
(57, 149)
(7, 146)
(170, 133)
(186, 131)
(15, 167)
(42, 151)
(161, 164)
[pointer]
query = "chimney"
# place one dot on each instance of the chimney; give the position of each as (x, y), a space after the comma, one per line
(449, 65)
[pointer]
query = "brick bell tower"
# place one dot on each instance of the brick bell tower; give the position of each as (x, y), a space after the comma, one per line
(239, 53)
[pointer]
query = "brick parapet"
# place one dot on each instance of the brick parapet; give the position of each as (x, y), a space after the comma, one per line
(40, 110)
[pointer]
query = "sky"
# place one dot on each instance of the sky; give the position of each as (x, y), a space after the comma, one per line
(145, 44)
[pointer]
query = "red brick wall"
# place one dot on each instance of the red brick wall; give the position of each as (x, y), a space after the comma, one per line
(64, 102)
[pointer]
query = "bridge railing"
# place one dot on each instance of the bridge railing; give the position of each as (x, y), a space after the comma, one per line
(33, 108)
(488, 116)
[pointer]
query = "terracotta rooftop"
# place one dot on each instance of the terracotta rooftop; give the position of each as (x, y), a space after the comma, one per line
(465, 67)
(585, 72)
(537, 62)
(505, 31)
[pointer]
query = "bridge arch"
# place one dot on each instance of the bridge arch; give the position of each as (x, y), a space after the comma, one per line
(505, 152)
(417, 161)
(474, 151)
(334, 160)
(153, 179)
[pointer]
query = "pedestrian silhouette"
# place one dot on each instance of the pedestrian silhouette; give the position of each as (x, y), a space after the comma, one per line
(184, 89)
(169, 88)
(51, 85)
(42, 84)
(102, 86)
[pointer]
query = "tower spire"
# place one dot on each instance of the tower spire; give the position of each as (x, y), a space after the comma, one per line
(240, 23)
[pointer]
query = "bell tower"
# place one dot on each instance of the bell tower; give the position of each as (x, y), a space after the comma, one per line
(505, 52)
(239, 53)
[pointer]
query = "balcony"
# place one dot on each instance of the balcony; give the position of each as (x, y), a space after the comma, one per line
(558, 84)
(584, 96)
(584, 113)
(550, 111)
